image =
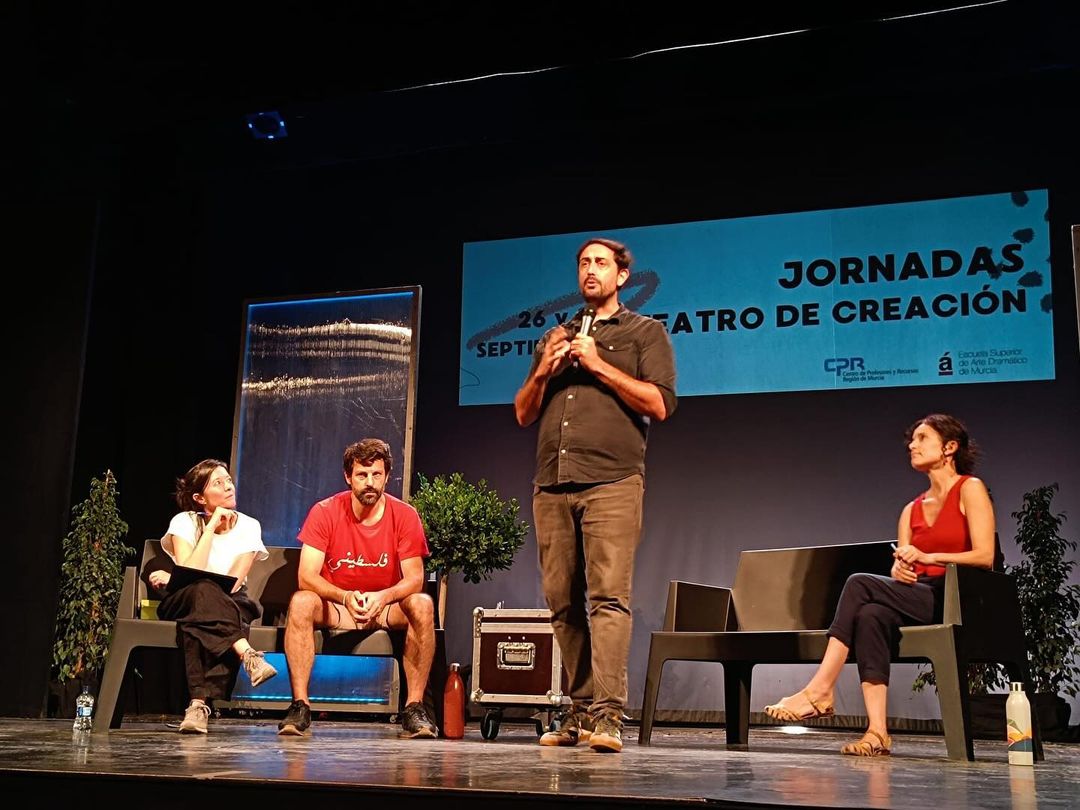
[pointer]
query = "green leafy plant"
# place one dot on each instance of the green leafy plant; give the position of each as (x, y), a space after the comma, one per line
(1048, 606)
(981, 678)
(469, 527)
(91, 578)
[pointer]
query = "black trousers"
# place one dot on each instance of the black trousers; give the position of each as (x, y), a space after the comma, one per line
(871, 611)
(208, 622)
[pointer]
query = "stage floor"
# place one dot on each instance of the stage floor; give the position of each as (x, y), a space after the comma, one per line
(343, 760)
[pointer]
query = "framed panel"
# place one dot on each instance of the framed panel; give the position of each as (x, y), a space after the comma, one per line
(1076, 271)
(319, 373)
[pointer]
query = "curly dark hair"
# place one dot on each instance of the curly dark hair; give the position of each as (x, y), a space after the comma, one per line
(949, 428)
(366, 451)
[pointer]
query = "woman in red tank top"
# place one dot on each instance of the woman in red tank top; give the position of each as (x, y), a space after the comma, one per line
(951, 522)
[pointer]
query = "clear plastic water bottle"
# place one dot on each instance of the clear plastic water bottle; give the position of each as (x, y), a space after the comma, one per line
(80, 747)
(84, 709)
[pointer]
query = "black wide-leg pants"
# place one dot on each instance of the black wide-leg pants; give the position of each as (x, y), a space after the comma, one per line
(208, 622)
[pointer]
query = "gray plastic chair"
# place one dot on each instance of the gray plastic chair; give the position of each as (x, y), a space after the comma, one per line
(272, 582)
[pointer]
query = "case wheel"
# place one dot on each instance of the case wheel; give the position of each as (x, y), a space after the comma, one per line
(544, 723)
(489, 726)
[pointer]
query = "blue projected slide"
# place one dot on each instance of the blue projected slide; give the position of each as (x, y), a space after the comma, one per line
(925, 293)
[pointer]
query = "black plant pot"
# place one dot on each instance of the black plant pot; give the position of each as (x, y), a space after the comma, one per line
(988, 717)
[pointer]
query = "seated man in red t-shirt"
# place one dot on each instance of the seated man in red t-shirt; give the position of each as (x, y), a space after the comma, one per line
(362, 567)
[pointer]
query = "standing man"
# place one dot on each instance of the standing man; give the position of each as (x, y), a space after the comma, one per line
(362, 568)
(595, 385)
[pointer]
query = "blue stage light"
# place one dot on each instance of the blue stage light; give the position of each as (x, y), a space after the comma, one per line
(269, 125)
(359, 680)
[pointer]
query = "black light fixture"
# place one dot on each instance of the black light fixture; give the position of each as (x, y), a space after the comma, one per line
(269, 125)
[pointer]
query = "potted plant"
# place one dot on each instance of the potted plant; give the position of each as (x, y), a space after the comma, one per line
(469, 529)
(1049, 610)
(981, 679)
(1049, 607)
(91, 578)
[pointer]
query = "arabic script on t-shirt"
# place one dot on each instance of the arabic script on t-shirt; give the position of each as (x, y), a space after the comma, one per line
(360, 562)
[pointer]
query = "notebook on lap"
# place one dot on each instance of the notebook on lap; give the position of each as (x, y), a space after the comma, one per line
(182, 576)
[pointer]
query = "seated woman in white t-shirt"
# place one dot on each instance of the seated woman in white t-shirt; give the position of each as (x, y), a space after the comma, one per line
(210, 535)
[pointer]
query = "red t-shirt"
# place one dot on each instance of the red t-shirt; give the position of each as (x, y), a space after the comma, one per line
(359, 557)
(948, 535)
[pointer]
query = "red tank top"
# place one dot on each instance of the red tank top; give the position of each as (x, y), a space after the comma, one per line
(948, 535)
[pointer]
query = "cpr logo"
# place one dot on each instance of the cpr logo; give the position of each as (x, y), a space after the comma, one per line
(838, 365)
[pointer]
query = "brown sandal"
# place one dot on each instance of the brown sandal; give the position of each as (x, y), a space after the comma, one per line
(779, 711)
(869, 748)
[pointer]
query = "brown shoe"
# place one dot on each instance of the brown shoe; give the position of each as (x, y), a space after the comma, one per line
(607, 736)
(575, 726)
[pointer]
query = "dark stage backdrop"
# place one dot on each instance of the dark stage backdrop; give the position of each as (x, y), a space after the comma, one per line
(385, 191)
(44, 340)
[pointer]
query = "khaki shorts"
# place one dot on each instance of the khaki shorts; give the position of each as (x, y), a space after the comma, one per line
(345, 621)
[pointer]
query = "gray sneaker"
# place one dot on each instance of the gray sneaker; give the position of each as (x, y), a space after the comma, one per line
(257, 667)
(195, 718)
(575, 726)
(607, 736)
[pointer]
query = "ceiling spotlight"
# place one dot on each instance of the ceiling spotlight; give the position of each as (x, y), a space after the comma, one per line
(269, 125)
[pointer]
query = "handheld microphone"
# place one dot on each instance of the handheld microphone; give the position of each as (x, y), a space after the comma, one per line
(587, 316)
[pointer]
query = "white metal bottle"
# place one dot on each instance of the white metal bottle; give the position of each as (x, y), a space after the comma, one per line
(1018, 726)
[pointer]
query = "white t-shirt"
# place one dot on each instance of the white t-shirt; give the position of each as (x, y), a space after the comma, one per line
(244, 537)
